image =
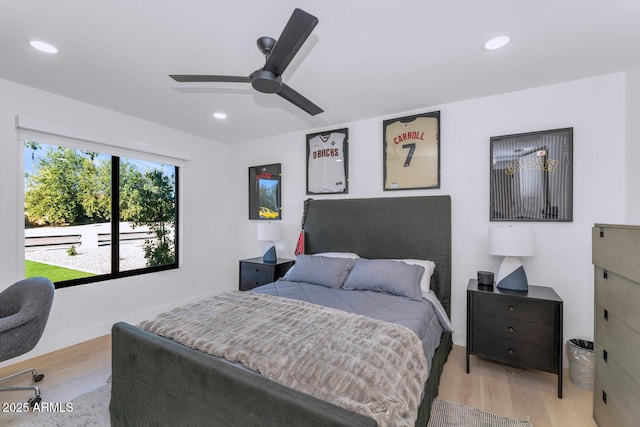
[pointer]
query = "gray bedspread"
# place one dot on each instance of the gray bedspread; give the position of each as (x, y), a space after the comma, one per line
(419, 316)
(365, 365)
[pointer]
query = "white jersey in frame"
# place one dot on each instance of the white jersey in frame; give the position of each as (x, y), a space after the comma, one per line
(326, 170)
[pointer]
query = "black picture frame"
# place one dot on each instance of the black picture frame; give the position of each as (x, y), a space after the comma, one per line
(531, 176)
(328, 162)
(265, 192)
(411, 152)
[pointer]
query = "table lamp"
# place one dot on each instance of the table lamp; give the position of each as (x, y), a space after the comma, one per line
(269, 232)
(512, 243)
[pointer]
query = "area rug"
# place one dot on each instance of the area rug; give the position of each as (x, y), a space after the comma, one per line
(92, 410)
(88, 410)
(451, 414)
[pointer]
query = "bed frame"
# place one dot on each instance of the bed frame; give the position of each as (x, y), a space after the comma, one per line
(157, 381)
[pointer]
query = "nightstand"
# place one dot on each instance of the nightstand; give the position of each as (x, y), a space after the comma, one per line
(522, 329)
(255, 272)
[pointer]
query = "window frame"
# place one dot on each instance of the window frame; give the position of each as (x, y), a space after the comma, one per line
(115, 229)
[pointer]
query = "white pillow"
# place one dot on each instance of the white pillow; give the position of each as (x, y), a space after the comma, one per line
(428, 266)
(338, 255)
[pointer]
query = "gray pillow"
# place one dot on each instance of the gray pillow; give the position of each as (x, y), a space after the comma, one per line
(385, 275)
(319, 270)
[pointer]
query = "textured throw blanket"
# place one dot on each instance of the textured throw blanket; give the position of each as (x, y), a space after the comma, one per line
(364, 365)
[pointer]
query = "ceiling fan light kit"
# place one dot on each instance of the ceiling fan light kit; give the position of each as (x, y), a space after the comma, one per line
(278, 56)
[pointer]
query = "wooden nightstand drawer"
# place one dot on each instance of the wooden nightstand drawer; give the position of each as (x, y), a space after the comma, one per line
(513, 329)
(254, 272)
(257, 272)
(514, 352)
(536, 311)
(618, 295)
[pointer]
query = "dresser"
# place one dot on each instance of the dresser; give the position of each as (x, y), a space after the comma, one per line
(522, 329)
(255, 272)
(616, 258)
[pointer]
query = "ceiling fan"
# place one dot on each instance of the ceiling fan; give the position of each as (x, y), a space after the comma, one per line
(278, 56)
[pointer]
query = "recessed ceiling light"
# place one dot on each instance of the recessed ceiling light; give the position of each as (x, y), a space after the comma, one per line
(220, 116)
(44, 47)
(497, 42)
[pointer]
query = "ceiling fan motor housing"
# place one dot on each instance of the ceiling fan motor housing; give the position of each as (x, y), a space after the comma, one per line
(266, 81)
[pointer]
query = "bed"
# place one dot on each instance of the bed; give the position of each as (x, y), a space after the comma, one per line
(158, 381)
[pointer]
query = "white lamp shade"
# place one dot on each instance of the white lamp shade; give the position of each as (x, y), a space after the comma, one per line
(512, 241)
(269, 231)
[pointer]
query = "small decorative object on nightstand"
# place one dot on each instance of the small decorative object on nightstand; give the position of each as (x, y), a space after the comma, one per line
(255, 272)
(516, 328)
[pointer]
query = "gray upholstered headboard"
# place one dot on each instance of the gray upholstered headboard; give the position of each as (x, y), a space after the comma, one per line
(387, 227)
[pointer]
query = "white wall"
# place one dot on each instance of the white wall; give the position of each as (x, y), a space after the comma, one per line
(594, 107)
(88, 311)
(633, 145)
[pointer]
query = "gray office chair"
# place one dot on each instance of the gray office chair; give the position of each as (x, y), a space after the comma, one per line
(24, 311)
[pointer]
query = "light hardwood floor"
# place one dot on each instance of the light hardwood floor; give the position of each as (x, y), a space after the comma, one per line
(490, 386)
(515, 393)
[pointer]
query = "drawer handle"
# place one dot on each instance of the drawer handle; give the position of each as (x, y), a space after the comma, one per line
(510, 328)
(605, 356)
(511, 308)
(606, 315)
(604, 397)
(510, 351)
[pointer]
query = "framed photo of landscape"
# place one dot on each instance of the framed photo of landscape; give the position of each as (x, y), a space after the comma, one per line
(411, 152)
(531, 176)
(265, 192)
(328, 162)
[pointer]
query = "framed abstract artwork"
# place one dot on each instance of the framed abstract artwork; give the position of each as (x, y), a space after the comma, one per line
(265, 192)
(531, 176)
(411, 152)
(328, 162)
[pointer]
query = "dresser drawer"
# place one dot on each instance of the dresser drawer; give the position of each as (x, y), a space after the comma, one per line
(515, 352)
(514, 329)
(619, 341)
(508, 307)
(618, 249)
(622, 394)
(618, 295)
(252, 275)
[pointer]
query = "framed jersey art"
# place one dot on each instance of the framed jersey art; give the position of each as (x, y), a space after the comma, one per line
(411, 154)
(327, 162)
(532, 176)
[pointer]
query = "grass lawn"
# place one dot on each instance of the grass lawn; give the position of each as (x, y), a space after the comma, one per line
(52, 272)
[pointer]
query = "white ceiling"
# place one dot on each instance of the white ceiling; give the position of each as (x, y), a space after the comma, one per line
(366, 58)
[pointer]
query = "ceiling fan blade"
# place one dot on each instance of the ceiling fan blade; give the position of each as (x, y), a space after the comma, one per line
(295, 33)
(299, 101)
(187, 78)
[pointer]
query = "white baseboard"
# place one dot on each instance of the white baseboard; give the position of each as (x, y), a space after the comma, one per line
(49, 344)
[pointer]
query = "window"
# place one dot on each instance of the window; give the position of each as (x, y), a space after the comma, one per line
(71, 198)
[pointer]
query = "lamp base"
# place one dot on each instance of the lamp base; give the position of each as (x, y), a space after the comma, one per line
(270, 254)
(511, 275)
